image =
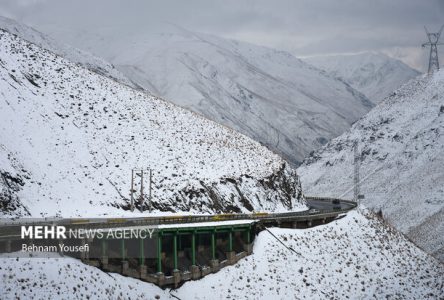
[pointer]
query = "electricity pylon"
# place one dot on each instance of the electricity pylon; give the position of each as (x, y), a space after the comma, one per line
(356, 161)
(433, 43)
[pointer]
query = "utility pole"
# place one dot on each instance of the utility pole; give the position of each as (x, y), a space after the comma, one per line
(149, 191)
(132, 190)
(433, 43)
(140, 173)
(141, 191)
(356, 160)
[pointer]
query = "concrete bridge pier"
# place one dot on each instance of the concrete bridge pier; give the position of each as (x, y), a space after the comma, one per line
(60, 242)
(143, 271)
(195, 272)
(160, 279)
(214, 265)
(87, 257)
(125, 263)
(176, 278)
(8, 244)
(125, 267)
(176, 272)
(142, 267)
(231, 255)
(214, 262)
(248, 247)
(159, 274)
(104, 256)
(83, 254)
(194, 269)
(30, 242)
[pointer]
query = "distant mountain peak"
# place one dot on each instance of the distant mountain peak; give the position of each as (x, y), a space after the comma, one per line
(374, 74)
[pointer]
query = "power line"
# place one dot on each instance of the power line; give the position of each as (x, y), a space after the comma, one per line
(280, 241)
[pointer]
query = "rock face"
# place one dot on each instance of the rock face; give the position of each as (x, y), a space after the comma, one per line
(269, 95)
(279, 191)
(9, 185)
(69, 139)
(401, 142)
(374, 74)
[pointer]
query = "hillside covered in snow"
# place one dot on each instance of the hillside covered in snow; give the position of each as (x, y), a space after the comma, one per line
(269, 95)
(89, 61)
(70, 137)
(357, 257)
(375, 75)
(401, 142)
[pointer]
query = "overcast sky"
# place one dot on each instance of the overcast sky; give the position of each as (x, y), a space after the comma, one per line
(303, 27)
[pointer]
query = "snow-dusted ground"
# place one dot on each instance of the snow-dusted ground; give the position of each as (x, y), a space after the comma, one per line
(356, 257)
(374, 74)
(70, 137)
(269, 95)
(402, 146)
(74, 55)
(66, 278)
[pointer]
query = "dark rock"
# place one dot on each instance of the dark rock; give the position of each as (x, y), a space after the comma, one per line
(281, 186)
(10, 185)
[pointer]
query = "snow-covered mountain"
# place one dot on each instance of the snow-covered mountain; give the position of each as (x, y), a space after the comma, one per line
(69, 138)
(375, 75)
(269, 95)
(401, 142)
(357, 257)
(83, 58)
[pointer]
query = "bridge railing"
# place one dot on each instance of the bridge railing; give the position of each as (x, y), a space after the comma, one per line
(198, 218)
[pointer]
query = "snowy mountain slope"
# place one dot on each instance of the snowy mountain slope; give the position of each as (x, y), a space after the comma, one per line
(269, 95)
(373, 74)
(67, 278)
(402, 147)
(70, 137)
(83, 58)
(356, 257)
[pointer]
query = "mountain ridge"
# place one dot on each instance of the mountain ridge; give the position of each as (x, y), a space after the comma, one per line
(374, 74)
(264, 93)
(89, 61)
(70, 138)
(401, 143)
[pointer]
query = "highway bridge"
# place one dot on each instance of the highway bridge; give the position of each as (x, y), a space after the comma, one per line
(178, 248)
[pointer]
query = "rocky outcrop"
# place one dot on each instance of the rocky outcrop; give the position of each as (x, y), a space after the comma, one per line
(10, 185)
(277, 192)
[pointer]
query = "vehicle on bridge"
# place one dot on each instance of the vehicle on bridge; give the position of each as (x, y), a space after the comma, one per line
(336, 204)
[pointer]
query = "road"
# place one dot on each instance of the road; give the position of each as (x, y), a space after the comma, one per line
(325, 209)
(325, 205)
